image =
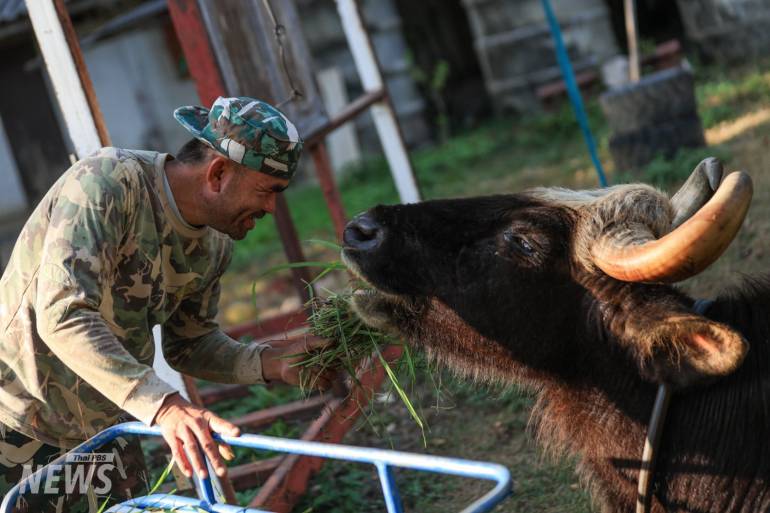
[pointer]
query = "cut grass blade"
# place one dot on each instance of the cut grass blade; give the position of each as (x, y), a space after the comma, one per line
(327, 244)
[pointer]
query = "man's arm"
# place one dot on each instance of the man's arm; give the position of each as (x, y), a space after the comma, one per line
(194, 345)
(80, 252)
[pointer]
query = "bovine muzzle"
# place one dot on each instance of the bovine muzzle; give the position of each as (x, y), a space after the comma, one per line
(363, 233)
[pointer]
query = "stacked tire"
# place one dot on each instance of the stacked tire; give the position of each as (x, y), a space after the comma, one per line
(655, 116)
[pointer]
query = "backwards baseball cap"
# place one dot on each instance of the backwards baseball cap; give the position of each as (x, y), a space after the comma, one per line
(248, 131)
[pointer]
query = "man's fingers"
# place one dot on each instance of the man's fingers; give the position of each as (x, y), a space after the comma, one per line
(193, 452)
(226, 452)
(312, 343)
(177, 452)
(210, 448)
(221, 426)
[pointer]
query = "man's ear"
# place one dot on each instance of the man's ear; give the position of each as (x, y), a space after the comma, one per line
(215, 173)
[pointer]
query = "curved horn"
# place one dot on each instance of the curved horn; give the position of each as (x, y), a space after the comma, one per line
(688, 249)
(697, 190)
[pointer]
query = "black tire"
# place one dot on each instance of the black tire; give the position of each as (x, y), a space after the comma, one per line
(634, 150)
(656, 98)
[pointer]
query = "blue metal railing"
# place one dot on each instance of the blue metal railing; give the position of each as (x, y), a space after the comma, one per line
(384, 460)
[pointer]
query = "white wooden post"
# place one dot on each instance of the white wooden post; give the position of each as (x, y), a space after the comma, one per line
(64, 76)
(343, 142)
(382, 112)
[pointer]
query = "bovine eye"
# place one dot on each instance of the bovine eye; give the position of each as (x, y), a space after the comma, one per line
(519, 243)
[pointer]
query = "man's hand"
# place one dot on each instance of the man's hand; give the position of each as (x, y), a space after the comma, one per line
(279, 363)
(186, 426)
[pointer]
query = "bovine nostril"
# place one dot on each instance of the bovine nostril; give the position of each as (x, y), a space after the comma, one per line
(363, 233)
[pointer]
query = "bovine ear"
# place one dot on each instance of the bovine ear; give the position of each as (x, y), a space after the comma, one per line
(688, 349)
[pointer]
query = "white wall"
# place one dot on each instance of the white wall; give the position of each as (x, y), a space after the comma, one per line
(138, 87)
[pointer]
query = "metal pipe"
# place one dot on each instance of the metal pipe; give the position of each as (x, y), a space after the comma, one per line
(176, 503)
(389, 488)
(352, 110)
(379, 457)
(382, 112)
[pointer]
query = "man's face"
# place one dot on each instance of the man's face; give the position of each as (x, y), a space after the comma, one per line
(244, 197)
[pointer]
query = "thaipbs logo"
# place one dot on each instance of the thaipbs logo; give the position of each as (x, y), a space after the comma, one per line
(77, 474)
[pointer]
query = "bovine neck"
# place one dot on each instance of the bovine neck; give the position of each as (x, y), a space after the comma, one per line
(600, 413)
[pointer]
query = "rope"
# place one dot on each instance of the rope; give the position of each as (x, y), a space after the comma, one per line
(279, 31)
(572, 90)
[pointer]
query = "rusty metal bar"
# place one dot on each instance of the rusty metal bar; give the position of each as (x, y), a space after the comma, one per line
(291, 246)
(323, 169)
(353, 109)
(289, 481)
(272, 326)
(80, 64)
(294, 410)
(192, 36)
(192, 390)
(214, 394)
(251, 475)
(274, 494)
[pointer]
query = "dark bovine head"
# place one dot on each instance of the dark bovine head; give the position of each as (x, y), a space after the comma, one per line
(506, 289)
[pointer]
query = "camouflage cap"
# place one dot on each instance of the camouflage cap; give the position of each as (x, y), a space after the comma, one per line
(248, 131)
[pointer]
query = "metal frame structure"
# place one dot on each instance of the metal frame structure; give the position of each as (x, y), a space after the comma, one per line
(384, 460)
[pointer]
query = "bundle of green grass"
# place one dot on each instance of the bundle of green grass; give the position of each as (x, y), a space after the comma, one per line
(332, 318)
(354, 343)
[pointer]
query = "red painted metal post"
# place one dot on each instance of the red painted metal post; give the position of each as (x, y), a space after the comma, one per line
(291, 246)
(193, 37)
(325, 175)
(289, 481)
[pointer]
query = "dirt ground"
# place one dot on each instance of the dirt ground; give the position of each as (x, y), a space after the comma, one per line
(491, 425)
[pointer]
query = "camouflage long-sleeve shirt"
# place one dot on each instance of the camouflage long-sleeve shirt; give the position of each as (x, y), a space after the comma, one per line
(103, 258)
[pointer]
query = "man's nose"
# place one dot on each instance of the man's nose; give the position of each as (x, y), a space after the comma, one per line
(270, 203)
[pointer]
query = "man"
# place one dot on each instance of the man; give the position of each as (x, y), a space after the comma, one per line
(123, 241)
